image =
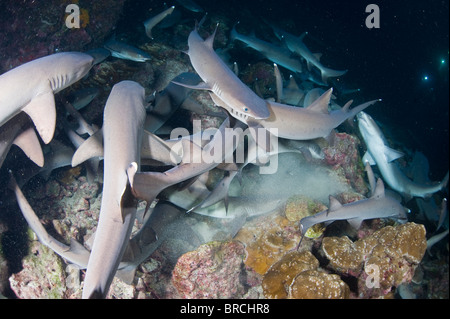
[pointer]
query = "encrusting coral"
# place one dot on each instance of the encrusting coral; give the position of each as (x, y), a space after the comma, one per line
(380, 261)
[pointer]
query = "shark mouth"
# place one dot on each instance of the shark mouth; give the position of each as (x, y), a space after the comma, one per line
(239, 115)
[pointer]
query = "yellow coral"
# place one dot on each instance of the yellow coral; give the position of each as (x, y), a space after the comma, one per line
(280, 276)
(314, 284)
(268, 241)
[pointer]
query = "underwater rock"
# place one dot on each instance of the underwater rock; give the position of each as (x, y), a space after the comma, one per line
(299, 206)
(314, 284)
(388, 257)
(260, 76)
(280, 276)
(211, 271)
(344, 257)
(42, 276)
(343, 155)
(34, 29)
(267, 240)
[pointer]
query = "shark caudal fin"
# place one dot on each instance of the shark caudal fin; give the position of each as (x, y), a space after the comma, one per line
(330, 73)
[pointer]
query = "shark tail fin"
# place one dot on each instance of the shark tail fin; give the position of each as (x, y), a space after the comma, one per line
(444, 182)
(330, 73)
(234, 34)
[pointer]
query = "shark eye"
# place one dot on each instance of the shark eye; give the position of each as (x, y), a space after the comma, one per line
(245, 109)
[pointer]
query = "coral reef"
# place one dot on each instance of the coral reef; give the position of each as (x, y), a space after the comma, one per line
(280, 276)
(344, 157)
(267, 239)
(42, 30)
(211, 271)
(314, 284)
(380, 261)
(42, 276)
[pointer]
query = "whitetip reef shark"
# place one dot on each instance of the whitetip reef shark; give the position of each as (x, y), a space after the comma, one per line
(75, 253)
(314, 121)
(379, 153)
(219, 79)
(125, 51)
(274, 53)
(296, 45)
(124, 112)
(30, 87)
(378, 205)
(152, 21)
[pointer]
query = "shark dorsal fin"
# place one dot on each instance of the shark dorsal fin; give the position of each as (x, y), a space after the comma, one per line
(292, 84)
(379, 189)
(321, 104)
(334, 204)
(347, 106)
(210, 40)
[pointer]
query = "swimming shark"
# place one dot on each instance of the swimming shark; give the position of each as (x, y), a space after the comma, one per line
(274, 53)
(376, 206)
(312, 122)
(125, 51)
(169, 100)
(19, 91)
(219, 79)
(75, 253)
(147, 185)
(296, 45)
(152, 21)
(124, 112)
(379, 153)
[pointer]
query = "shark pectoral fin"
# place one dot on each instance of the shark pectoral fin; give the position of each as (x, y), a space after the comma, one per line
(200, 86)
(355, 222)
(92, 147)
(29, 143)
(391, 154)
(131, 172)
(42, 112)
(155, 148)
(126, 274)
(367, 158)
(146, 186)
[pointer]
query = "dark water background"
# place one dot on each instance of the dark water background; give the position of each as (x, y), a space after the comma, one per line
(389, 63)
